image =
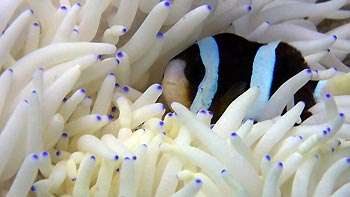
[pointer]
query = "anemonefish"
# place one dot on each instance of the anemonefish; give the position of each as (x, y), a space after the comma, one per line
(214, 71)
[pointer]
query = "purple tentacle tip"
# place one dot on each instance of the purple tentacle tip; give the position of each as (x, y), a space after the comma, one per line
(45, 154)
(203, 111)
(161, 123)
(280, 164)
(160, 35)
(324, 132)
(159, 87)
(33, 188)
(35, 156)
(167, 3)
(126, 89)
(208, 7)
(120, 54)
(64, 135)
(114, 108)
(198, 181)
(268, 157)
(110, 117)
(82, 91)
(98, 118)
(249, 8)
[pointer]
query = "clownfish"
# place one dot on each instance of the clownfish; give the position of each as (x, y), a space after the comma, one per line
(214, 71)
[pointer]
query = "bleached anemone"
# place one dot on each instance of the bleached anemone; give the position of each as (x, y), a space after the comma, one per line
(79, 114)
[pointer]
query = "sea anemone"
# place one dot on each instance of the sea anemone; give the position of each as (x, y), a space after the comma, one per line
(79, 114)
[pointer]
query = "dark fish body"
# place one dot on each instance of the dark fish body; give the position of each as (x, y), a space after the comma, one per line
(236, 56)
